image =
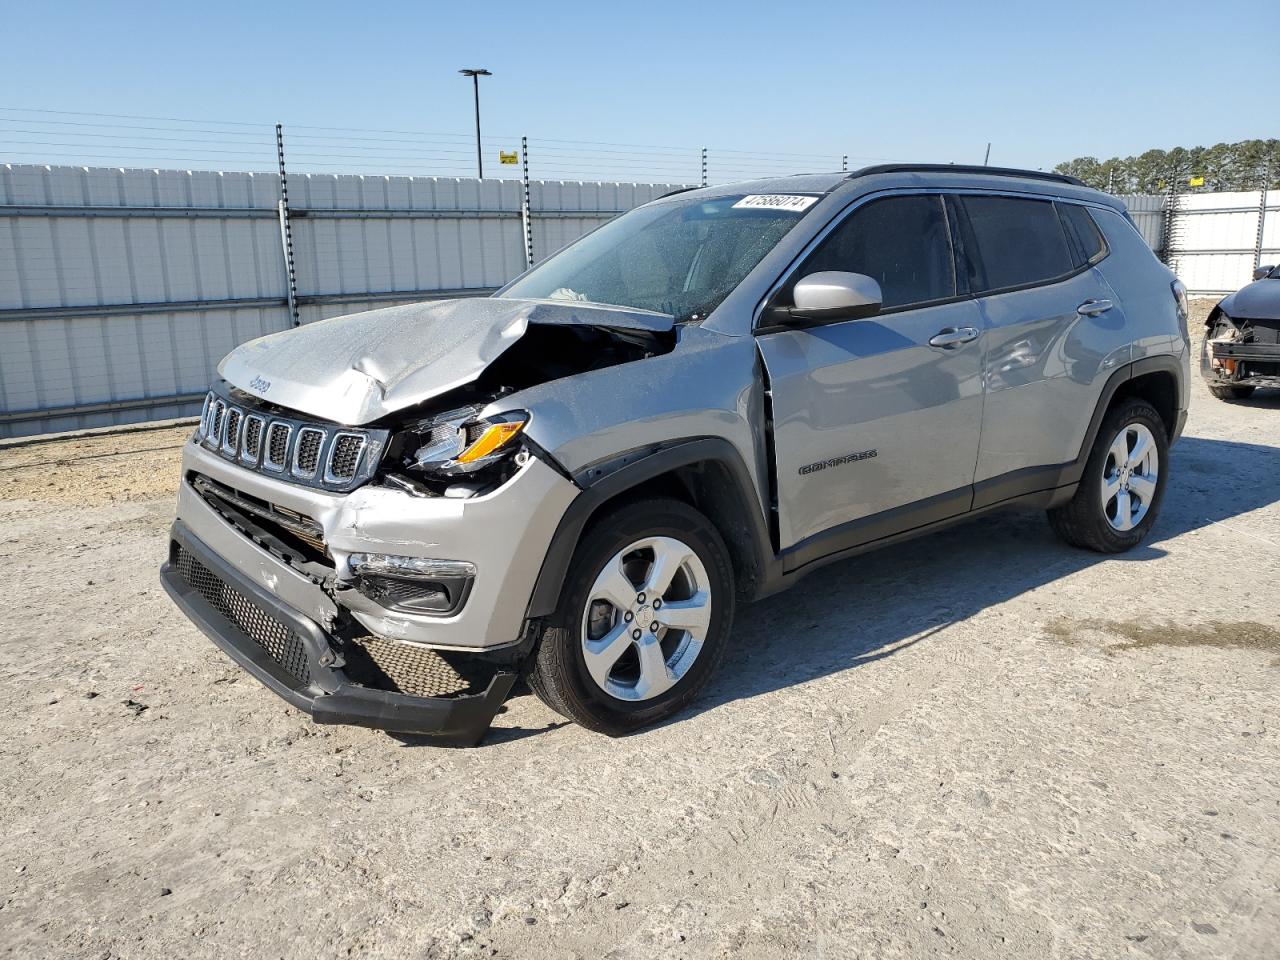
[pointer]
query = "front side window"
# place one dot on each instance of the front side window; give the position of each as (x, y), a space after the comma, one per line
(1020, 242)
(901, 242)
(680, 257)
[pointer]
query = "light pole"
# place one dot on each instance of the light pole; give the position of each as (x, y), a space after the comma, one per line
(475, 76)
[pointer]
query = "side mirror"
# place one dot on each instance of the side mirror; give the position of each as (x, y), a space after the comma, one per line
(831, 296)
(1261, 272)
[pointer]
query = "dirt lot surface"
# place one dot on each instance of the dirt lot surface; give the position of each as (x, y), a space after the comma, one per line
(981, 744)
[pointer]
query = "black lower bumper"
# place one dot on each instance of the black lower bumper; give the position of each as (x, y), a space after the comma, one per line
(296, 659)
(1265, 352)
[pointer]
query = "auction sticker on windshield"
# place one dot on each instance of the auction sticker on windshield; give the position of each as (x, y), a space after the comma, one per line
(777, 201)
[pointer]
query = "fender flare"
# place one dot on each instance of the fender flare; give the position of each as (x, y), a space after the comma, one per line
(603, 483)
(1159, 363)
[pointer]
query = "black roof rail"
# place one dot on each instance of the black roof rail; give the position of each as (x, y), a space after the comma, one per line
(964, 168)
(672, 193)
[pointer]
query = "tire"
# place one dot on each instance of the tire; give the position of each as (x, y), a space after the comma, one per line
(1094, 523)
(1231, 393)
(618, 694)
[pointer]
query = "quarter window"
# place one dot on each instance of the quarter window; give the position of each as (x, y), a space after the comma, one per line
(1020, 242)
(1084, 235)
(901, 242)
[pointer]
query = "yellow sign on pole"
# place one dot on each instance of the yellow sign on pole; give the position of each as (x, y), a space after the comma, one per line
(511, 157)
(1196, 182)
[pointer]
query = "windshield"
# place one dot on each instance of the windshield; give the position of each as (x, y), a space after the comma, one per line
(680, 257)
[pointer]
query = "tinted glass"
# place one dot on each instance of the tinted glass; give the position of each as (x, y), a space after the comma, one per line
(680, 257)
(902, 242)
(1082, 232)
(1019, 241)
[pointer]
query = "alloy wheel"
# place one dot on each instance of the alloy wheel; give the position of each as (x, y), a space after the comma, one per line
(1130, 476)
(646, 618)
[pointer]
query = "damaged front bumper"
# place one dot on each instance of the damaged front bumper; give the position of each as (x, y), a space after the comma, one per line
(1229, 362)
(279, 576)
(356, 681)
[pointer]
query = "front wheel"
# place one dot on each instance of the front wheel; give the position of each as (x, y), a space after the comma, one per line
(1123, 483)
(643, 619)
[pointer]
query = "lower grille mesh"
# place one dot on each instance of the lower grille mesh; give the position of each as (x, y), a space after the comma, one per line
(281, 644)
(401, 668)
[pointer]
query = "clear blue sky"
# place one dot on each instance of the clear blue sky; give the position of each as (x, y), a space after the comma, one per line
(898, 80)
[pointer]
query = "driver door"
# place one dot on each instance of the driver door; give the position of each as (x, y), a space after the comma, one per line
(875, 428)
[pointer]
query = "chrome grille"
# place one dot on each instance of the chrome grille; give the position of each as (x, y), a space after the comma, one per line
(304, 452)
(231, 438)
(278, 446)
(205, 413)
(252, 439)
(215, 421)
(345, 456)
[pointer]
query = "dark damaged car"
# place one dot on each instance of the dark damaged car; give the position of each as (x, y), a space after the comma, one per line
(390, 518)
(1241, 350)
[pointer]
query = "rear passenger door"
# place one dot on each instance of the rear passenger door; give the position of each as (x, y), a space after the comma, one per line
(1052, 328)
(868, 415)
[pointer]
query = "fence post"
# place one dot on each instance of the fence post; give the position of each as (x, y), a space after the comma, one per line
(704, 166)
(526, 214)
(1170, 221)
(1262, 215)
(286, 232)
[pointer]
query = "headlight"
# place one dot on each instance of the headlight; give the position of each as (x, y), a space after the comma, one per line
(460, 442)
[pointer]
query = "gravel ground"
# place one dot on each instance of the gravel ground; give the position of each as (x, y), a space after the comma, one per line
(980, 744)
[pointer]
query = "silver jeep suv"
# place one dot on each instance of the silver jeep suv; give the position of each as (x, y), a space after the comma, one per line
(389, 518)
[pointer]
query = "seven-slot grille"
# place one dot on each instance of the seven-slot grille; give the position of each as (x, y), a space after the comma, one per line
(314, 454)
(251, 446)
(306, 452)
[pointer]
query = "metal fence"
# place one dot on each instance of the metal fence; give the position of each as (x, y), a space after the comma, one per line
(1216, 239)
(1212, 241)
(121, 289)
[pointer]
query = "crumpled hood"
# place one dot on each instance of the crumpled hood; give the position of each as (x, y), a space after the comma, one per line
(358, 368)
(1259, 300)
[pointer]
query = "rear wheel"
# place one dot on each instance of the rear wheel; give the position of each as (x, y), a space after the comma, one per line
(1123, 482)
(643, 619)
(1231, 393)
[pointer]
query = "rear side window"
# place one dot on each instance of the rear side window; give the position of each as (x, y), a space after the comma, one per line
(902, 242)
(1020, 242)
(1082, 233)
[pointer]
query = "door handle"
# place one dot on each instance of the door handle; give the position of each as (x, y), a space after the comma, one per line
(1091, 308)
(953, 336)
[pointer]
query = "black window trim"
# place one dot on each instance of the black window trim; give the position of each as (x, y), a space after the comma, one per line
(759, 327)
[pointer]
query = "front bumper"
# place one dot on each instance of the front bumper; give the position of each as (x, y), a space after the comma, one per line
(1230, 363)
(504, 534)
(290, 653)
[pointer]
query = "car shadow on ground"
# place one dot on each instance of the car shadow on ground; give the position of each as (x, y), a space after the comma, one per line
(878, 604)
(875, 605)
(1266, 398)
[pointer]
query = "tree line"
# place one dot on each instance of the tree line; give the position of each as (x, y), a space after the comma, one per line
(1224, 166)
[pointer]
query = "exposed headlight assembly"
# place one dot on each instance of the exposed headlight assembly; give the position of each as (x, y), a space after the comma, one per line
(460, 442)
